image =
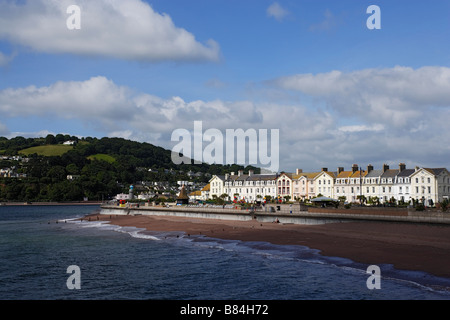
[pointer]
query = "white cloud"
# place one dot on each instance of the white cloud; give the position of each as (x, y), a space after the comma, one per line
(5, 60)
(125, 29)
(398, 97)
(328, 23)
(309, 139)
(359, 128)
(276, 11)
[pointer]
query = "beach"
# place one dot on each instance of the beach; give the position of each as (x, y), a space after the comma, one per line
(406, 246)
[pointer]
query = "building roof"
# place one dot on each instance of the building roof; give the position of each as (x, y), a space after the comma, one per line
(358, 174)
(344, 174)
(406, 173)
(309, 175)
(207, 187)
(436, 171)
(258, 177)
(183, 195)
(390, 173)
(374, 173)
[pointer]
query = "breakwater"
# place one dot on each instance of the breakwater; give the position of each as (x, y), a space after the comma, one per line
(285, 216)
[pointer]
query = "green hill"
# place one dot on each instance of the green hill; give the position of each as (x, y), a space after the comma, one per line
(102, 156)
(47, 150)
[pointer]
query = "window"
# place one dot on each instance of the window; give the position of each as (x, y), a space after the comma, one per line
(400, 189)
(337, 190)
(429, 188)
(373, 189)
(417, 180)
(429, 180)
(384, 189)
(367, 190)
(417, 189)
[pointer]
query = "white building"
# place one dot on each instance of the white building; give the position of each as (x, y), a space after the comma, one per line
(430, 185)
(324, 182)
(247, 187)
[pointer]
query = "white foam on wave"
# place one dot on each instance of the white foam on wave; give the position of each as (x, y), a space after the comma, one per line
(105, 225)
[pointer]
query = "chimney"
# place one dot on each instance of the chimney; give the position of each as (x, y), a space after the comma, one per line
(385, 167)
(298, 171)
(250, 172)
(355, 168)
(232, 173)
(226, 176)
(325, 169)
(401, 167)
(340, 169)
(240, 173)
(369, 168)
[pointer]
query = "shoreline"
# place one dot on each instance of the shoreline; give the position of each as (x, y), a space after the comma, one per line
(74, 203)
(406, 246)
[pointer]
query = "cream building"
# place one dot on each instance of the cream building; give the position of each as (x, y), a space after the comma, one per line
(430, 185)
(324, 183)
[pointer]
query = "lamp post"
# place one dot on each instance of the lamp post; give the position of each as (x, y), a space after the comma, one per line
(360, 186)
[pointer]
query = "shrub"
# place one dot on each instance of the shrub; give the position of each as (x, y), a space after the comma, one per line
(420, 207)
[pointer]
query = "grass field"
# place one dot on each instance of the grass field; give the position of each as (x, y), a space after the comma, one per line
(101, 156)
(47, 150)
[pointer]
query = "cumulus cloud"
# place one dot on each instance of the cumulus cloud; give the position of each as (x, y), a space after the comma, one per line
(275, 10)
(399, 96)
(126, 29)
(309, 138)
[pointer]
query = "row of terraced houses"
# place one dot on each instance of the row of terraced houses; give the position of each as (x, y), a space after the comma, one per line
(428, 185)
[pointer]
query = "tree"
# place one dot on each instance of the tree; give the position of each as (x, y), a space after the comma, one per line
(50, 139)
(444, 204)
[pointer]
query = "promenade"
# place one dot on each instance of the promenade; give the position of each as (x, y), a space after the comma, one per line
(285, 214)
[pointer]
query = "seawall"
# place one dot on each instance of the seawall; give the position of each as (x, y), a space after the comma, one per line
(285, 217)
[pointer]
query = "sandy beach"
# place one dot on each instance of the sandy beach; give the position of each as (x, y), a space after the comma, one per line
(407, 246)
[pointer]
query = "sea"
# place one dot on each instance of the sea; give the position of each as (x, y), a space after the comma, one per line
(47, 253)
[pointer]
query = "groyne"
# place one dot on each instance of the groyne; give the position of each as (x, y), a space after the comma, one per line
(285, 215)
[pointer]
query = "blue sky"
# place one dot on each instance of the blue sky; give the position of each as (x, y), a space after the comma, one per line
(338, 92)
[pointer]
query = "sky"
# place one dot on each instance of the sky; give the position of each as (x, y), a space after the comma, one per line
(338, 91)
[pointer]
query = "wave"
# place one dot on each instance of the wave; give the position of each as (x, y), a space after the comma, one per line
(106, 226)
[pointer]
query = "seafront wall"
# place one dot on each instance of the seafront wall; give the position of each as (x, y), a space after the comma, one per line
(284, 217)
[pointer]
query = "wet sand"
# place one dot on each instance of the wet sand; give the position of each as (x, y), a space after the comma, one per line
(407, 246)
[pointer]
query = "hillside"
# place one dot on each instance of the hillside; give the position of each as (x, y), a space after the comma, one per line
(98, 168)
(47, 150)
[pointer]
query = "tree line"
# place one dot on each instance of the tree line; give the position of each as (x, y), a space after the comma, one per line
(92, 178)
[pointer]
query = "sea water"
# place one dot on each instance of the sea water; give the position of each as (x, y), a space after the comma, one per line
(39, 243)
